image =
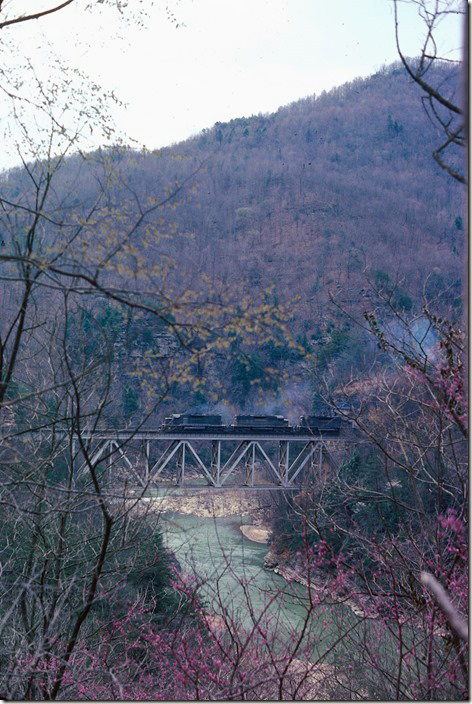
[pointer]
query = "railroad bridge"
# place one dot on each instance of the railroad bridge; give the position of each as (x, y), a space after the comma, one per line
(218, 459)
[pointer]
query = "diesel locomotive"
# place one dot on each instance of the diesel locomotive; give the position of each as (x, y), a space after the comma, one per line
(261, 424)
(327, 424)
(320, 425)
(184, 422)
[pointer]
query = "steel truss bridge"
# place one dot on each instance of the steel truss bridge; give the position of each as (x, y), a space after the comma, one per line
(249, 460)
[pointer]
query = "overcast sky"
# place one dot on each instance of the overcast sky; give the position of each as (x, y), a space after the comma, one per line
(225, 59)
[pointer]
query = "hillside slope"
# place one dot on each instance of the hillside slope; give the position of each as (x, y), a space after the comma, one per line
(306, 198)
(318, 201)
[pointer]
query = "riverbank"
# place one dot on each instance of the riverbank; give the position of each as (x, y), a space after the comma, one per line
(319, 582)
(206, 503)
(214, 503)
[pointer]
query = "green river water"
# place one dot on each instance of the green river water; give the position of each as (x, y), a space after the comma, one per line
(232, 567)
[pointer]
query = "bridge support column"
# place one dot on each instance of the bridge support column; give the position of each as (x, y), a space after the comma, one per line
(216, 461)
(181, 464)
(284, 460)
(146, 461)
(250, 463)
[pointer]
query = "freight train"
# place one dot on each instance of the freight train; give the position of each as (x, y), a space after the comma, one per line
(250, 424)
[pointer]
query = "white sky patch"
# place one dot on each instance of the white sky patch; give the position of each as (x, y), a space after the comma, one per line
(231, 58)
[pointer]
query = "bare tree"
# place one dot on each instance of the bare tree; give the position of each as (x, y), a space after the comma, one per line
(398, 507)
(80, 249)
(444, 103)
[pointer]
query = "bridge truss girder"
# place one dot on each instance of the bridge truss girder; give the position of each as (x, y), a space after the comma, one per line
(285, 462)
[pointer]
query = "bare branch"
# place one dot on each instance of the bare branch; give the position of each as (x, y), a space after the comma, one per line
(35, 16)
(458, 624)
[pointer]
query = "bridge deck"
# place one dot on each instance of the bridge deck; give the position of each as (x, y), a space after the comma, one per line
(126, 435)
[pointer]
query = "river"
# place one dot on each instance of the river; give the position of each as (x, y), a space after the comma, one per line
(232, 568)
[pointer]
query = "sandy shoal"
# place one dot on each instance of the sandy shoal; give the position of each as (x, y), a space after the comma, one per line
(256, 533)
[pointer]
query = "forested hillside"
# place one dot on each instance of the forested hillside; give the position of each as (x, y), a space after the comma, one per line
(324, 199)
(306, 198)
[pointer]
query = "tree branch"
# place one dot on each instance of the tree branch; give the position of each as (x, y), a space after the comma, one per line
(457, 623)
(36, 16)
